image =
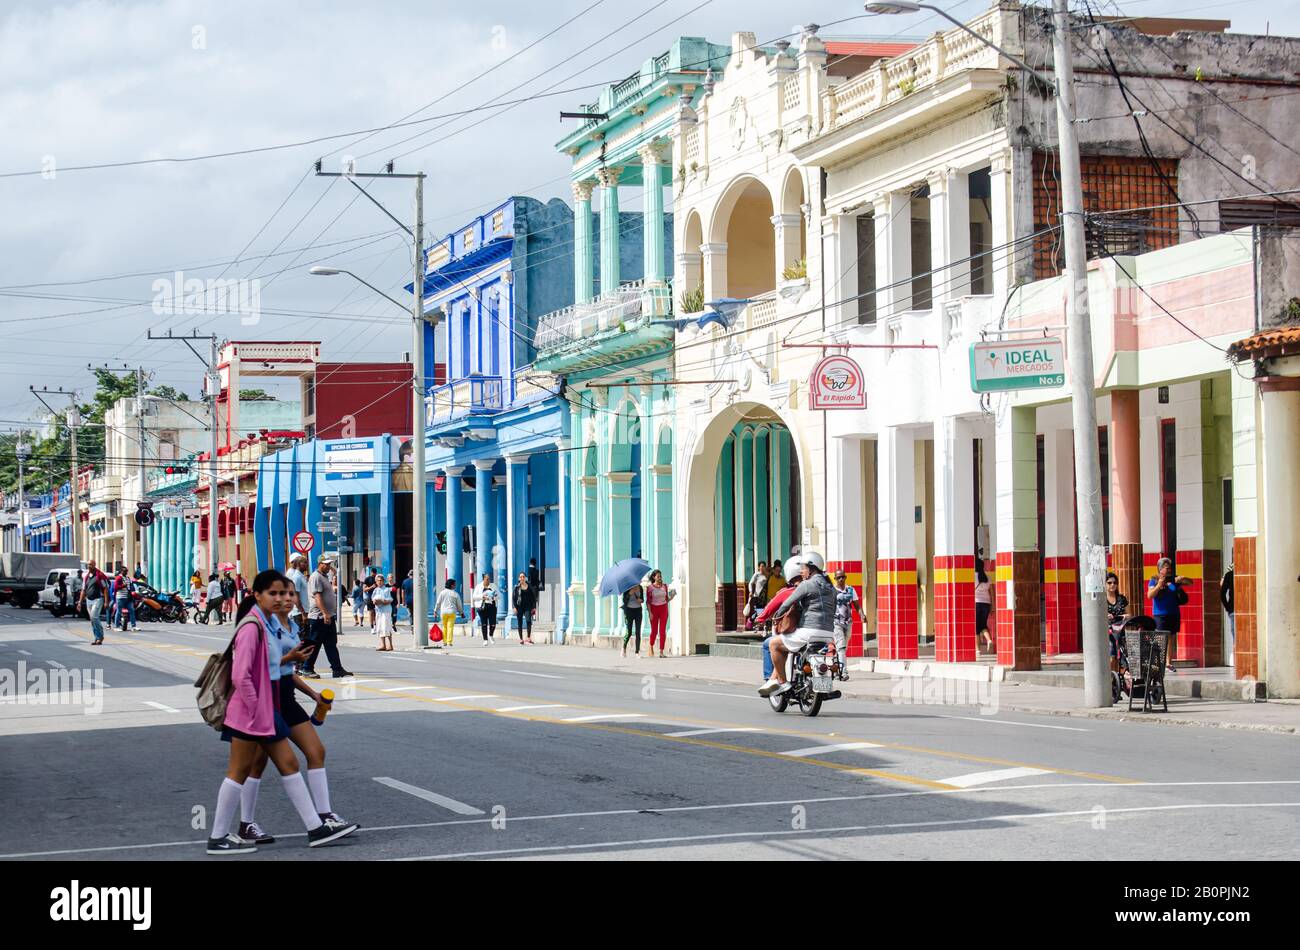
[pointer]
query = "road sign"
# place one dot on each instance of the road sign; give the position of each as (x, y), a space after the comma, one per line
(192, 515)
(349, 509)
(237, 500)
(837, 383)
(343, 549)
(330, 526)
(303, 542)
(1017, 364)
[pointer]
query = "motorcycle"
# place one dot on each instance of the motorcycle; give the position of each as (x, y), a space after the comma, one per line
(811, 673)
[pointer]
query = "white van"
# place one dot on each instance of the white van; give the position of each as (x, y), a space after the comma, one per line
(49, 595)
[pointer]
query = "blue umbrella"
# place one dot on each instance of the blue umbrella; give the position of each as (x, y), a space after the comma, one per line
(624, 575)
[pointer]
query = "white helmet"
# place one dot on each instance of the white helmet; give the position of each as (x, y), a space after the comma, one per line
(793, 568)
(813, 559)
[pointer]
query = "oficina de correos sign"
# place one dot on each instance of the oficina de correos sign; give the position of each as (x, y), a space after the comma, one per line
(837, 383)
(1017, 364)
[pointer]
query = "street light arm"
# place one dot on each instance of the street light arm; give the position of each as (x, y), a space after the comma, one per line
(408, 231)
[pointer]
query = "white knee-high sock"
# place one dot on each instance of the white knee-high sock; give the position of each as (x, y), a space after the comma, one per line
(297, 791)
(227, 801)
(320, 789)
(248, 799)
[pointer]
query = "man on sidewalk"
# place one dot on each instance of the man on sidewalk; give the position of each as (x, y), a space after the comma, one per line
(322, 617)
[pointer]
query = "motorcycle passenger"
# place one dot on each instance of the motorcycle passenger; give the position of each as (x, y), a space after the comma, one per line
(815, 599)
(793, 574)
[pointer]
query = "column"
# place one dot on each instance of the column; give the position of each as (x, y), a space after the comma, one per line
(500, 537)
(565, 527)
(1017, 576)
(483, 537)
(789, 230)
(893, 220)
(1245, 526)
(609, 229)
(844, 542)
(746, 563)
(715, 270)
(1060, 554)
(1194, 557)
(587, 553)
(724, 495)
(954, 542)
(433, 579)
(652, 220)
(1126, 496)
(455, 556)
(517, 513)
(1000, 211)
(949, 234)
(689, 274)
(763, 494)
(1280, 434)
(644, 397)
(896, 601)
(583, 278)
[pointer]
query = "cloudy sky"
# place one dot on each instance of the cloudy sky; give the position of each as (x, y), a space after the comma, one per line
(98, 82)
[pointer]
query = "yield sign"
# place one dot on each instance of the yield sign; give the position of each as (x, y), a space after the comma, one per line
(303, 542)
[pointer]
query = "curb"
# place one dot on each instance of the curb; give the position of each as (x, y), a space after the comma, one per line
(1170, 719)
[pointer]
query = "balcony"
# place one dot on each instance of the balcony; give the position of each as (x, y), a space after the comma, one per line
(105, 488)
(622, 323)
(471, 396)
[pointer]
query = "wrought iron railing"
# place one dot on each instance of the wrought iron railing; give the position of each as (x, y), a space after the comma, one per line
(462, 397)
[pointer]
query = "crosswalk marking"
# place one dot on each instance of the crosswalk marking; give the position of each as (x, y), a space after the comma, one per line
(450, 804)
(839, 747)
(402, 689)
(456, 699)
(706, 732)
(604, 716)
(996, 775)
(160, 706)
(539, 706)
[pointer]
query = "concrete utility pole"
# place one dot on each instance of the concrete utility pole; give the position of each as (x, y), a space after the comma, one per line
(1087, 474)
(212, 379)
(419, 541)
(22, 450)
(139, 412)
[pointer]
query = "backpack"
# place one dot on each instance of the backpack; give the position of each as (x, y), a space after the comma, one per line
(214, 684)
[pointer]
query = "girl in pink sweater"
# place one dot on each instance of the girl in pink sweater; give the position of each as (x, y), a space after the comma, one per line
(253, 720)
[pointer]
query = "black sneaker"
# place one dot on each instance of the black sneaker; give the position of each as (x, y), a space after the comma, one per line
(328, 816)
(310, 674)
(252, 831)
(329, 830)
(341, 674)
(230, 844)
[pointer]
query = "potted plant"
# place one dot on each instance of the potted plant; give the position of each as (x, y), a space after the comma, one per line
(794, 279)
(693, 300)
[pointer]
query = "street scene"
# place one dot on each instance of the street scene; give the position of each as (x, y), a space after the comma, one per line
(585, 432)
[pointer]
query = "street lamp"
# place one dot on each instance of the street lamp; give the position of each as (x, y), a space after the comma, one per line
(1087, 476)
(419, 592)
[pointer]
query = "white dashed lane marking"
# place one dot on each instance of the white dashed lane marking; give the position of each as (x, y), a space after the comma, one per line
(443, 801)
(997, 775)
(838, 747)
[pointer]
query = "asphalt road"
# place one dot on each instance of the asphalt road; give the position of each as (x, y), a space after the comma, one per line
(468, 755)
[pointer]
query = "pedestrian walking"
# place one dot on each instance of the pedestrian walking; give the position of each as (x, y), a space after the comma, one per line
(358, 603)
(383, 600)
(408, 595)
(657, 596)
(75, 591)
(484, 602)
(448, 607)
(534, 575)
(61, 591)
(524, 600)
(633, 598)
(983, 605)
(297, 575)
(775, 579)
(322, 620)
(368, 592)
(229, 603)
(1227, 598)
(1167, 594)
(214, 599)
(124, 607)
(755, 594)
(94, 590)
(302, 732)
(254, 723)
(846, 604)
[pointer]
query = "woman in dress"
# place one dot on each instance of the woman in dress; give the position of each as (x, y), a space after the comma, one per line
(382, 598)
(983, 604)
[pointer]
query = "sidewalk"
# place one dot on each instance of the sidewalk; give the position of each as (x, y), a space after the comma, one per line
(1274, 716)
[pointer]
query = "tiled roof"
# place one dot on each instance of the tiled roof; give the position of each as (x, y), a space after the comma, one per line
(867, 48)
(1284, 341)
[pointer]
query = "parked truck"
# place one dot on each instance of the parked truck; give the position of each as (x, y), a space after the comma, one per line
(23, 575)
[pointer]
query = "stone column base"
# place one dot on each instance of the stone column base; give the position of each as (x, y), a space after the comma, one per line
(896, 609)
(954, 608)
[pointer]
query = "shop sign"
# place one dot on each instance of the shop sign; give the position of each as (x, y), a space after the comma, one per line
(837, 383)
(1017, 364)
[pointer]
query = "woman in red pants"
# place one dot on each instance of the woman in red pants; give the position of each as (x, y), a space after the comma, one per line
(657, 596)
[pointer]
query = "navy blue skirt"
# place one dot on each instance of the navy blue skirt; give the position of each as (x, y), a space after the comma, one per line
(281, 732)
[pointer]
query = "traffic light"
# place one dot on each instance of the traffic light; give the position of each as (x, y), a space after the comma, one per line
(177, 470)
(442, 542)
(467, 538)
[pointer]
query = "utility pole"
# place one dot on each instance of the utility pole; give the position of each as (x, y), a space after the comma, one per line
(22, 450)
(419, 542)
(1087, 475)
(73, 421)
(212, 380)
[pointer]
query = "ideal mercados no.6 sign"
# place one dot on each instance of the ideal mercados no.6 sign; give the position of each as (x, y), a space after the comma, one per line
(1017, 364)
(837, 383)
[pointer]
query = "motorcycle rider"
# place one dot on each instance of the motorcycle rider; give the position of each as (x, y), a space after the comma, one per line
(815, 599)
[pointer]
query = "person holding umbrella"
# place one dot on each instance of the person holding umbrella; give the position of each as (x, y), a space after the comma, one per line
(620, 581)
(633, 599)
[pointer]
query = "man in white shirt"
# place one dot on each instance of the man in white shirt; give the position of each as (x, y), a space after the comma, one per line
(297, 576)
(214, 599)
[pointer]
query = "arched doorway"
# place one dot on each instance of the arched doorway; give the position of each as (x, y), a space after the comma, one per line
(727, 530)
(742, 224)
